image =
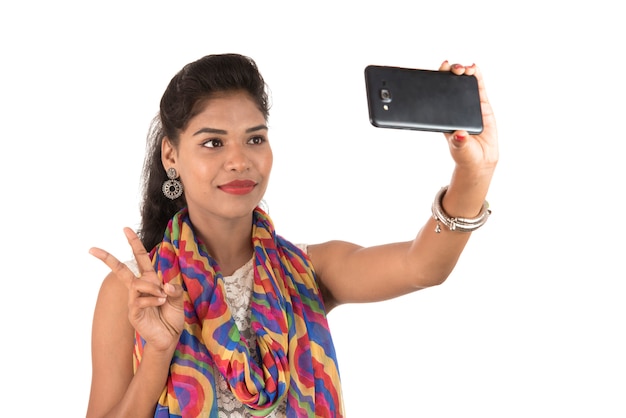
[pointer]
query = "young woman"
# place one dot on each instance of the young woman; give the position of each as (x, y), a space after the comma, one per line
(218, 315)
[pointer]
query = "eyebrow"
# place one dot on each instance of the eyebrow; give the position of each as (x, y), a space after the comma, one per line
(208, 130)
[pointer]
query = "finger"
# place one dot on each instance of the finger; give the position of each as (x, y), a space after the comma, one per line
(457, 69)
(120, 269)
(141, 255)
(470, 69)
(145, 288)
(174, 296)
(172, 290)
(174, 293)
(147, 301)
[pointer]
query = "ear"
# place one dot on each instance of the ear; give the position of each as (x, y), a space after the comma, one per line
(168, 153)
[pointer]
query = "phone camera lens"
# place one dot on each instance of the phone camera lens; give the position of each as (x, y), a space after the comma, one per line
(385, 95)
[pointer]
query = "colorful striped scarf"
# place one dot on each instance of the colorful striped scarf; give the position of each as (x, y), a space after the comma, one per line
(288, 321)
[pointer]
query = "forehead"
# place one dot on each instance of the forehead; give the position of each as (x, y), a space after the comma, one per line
(230, 111)
(219, 104)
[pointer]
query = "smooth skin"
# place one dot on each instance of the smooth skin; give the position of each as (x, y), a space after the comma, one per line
(228, 141)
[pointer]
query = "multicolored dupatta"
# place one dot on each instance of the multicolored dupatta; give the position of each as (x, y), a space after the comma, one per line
(288, 319)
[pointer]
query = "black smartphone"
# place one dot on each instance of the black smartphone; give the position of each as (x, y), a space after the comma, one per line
(424, 100)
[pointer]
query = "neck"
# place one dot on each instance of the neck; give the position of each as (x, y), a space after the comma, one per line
(228, 241)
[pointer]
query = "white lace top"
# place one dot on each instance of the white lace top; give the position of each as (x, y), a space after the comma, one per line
(238, 291)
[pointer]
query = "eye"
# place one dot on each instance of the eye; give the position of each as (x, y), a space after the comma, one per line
(256, 140)
(213, 143)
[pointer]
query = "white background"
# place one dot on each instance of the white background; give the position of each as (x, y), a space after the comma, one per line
(531, 322)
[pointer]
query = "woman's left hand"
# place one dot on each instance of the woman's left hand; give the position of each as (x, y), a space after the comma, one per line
(474, 152)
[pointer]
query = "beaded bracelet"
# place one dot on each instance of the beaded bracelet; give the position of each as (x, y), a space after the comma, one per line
(457, 224)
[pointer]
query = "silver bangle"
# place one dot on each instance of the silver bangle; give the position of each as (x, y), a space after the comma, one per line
(457, 224)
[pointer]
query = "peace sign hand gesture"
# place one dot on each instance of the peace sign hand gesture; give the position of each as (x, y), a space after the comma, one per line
(155, 309)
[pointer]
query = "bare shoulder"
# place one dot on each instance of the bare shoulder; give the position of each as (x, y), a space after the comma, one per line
(113, 294)
(112, 342)
(110, 320)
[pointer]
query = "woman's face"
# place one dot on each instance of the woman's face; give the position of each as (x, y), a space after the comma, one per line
(224, 158)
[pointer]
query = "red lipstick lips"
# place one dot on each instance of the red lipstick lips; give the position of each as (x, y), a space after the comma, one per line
(238, 187)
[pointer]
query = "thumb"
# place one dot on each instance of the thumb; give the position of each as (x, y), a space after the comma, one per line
(174, 294)
(458, 139)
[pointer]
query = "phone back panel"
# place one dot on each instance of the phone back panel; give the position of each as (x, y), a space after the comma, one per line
(426, 100)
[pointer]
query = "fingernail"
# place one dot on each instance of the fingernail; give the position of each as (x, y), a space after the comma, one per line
(459, 137)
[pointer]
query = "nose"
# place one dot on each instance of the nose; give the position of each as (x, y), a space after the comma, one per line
(237, 159)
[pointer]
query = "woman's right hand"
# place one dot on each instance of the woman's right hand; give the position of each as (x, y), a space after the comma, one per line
(155, 309)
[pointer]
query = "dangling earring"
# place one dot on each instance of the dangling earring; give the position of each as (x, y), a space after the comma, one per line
(172, 188)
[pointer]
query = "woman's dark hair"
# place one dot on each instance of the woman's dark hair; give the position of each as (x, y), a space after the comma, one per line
(183, 99)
